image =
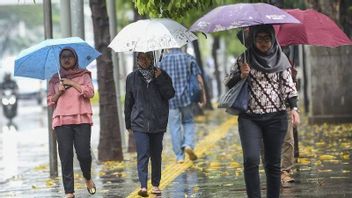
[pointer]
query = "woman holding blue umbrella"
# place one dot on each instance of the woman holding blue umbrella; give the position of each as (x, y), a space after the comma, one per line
(69, 94)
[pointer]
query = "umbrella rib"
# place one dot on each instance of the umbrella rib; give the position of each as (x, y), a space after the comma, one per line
(45, 60)
(17, 69)
(135, 45)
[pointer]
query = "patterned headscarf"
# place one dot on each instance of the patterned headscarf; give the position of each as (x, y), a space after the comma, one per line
(147, 73)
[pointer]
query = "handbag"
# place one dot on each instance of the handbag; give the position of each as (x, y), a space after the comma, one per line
(194, 87)
(236, 99)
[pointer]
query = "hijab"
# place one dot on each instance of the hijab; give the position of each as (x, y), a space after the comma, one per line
(274, 60)
(76, 71)
(148, 73)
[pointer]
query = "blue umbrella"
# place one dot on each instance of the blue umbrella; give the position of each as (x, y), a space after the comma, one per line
(42, 60)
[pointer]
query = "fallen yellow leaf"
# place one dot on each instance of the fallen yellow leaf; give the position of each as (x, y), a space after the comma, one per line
(320, 143)
(49, 183)
(327, 157)
(345, 156)
(235, 165)
(304, 161)
(41, 167)
(214, 165)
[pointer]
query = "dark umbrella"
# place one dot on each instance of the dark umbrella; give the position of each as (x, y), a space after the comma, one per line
(315, 29)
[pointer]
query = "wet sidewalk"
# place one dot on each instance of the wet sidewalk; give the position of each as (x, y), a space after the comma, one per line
(324, 169)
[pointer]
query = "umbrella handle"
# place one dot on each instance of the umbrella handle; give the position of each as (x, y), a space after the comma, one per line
(154, 55)
(244, 43)
(161, 55)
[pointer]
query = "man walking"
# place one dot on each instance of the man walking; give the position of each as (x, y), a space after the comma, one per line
(180, 66)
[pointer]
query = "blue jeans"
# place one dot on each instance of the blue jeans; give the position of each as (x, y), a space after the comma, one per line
(270, 129)
(182, 129)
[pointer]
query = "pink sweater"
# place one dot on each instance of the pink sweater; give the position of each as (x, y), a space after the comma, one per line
(72, 107)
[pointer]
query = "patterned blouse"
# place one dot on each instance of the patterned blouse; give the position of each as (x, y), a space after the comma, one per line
(268, 91)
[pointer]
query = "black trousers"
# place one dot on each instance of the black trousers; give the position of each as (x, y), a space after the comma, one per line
(149, 145)
(270, 129)
(79, 137)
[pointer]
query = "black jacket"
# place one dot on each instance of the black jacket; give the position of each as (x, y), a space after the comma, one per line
(147, 104)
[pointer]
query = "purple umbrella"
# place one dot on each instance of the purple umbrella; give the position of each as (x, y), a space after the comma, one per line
(241, 15)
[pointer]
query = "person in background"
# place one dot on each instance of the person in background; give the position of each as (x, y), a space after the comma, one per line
(288, 146)
(9, 83)
(180, 66)
(69, 96)
(148, 90)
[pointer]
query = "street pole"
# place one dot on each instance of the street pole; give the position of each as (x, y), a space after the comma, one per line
(65, 18)
(77, 18)
(48, 32)
(111, 6)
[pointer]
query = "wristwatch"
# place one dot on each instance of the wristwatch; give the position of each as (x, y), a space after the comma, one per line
(294, 109)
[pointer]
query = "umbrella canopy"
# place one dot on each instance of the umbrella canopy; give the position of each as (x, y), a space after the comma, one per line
(41, 61)
(150, 35)
(315, 29)
(241, 15)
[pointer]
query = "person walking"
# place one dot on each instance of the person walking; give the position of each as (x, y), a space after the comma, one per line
(180, 66)
(69, 95)
(267, 70)
(9, 83)
(288, 146)
(148, 90)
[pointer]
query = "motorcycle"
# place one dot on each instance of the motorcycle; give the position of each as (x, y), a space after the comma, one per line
(9, 103)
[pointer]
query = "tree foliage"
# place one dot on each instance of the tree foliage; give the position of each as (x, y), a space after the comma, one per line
(170, 8)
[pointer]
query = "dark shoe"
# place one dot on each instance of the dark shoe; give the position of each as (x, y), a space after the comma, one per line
(191, 154)
(92, 190)
(143, 193)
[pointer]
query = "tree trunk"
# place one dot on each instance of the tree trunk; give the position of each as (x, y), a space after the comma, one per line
(346, 16)
(216, 45)
(110, 139)
(200, 63)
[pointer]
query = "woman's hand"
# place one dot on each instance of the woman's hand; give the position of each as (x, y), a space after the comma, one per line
(61, 89)
(71, 83)
(295, 118)
(66, 81)
(245, 69)
(203, 100)
(157, 72)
